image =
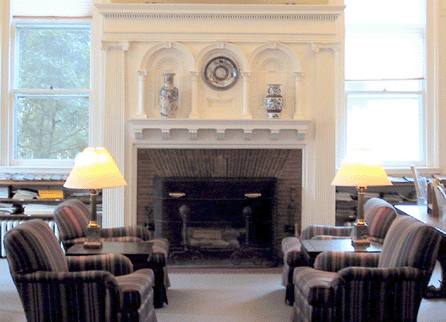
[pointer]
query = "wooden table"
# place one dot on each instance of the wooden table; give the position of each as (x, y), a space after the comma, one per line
(137, 252)
(422, 214)
(313, 247)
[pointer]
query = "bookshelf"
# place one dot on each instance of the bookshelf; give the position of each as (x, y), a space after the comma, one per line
(401, 192)
(36, 196)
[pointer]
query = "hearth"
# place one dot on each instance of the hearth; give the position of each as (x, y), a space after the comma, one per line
(216, 221)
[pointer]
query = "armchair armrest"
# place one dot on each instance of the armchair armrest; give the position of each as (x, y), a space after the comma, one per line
(127, 231)
(291, 249)
(333, 261)
(116, 264)
(385, 275)
(315, 230)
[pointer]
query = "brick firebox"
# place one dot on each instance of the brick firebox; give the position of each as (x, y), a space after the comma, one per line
(283, 164)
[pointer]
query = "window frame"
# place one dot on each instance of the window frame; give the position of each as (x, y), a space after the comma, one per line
(431, 107)
(14, 91)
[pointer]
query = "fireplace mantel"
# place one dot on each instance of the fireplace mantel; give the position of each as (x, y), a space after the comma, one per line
(298, 46)
(269, 132)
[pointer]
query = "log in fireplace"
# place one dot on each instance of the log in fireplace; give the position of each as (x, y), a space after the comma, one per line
(209, 218)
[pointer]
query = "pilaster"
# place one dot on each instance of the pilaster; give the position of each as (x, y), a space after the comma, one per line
(113, 202)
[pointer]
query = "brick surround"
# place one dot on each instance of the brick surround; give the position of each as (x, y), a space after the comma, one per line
(283, 164)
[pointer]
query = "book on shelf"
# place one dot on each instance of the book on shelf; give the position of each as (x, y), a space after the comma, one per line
(25, 194)
(11, 208)
(5, 192)
(38, 209)
(51, 194)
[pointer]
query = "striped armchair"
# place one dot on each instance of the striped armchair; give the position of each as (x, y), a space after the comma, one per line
(386, 286)
(59, 288)
(378, 214)
(72, 217)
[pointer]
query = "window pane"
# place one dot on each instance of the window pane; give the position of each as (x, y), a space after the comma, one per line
(50, 127)
(54, 57)
(388, 124)
(385, 12)
(396, 54)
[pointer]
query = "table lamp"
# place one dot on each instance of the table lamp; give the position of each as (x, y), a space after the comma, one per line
(361, 169)
(94, 169)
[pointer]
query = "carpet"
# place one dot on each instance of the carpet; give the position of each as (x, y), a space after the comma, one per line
(208, 270)
(212, 297)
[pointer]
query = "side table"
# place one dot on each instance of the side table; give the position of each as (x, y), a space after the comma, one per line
(312, 247)
(137, 252)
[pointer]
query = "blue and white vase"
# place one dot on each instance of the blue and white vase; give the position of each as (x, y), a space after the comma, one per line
(168, 97)
(274, 101)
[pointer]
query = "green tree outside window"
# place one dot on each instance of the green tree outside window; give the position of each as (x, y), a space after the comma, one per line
(52, 100)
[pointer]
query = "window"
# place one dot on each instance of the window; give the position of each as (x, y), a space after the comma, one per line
(385, 71)
(51, 99)
(50, 81)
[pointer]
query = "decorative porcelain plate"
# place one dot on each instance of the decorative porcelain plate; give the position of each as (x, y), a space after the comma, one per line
(221, 73)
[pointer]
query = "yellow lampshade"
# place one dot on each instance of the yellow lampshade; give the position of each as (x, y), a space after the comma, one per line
(360, 168)
(95, 168)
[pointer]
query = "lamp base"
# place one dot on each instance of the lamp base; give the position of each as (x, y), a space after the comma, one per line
(93, 236)
(92, 245)
(360, 235)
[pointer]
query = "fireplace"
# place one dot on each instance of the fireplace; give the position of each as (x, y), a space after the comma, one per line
(297, 46)
(205, 218)
(225, 169)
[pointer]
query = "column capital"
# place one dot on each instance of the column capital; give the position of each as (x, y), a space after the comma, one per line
(123, 45)
(317, 47)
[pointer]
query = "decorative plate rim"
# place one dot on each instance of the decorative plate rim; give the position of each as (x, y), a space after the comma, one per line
(231, 76)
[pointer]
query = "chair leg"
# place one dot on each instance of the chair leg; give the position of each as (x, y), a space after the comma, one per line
(160, 296)
(289, 295)
(160, 292)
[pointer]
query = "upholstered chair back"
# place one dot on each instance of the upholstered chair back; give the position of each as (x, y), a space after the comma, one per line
(379, 215)
(410, 243)
(25, 253)
(72, 217)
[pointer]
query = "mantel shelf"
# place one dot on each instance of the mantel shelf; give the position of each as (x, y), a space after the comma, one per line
(221, 130)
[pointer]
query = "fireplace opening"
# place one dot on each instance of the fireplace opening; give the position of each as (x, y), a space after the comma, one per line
(216, 221)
